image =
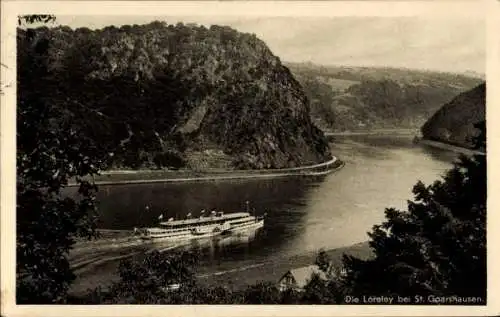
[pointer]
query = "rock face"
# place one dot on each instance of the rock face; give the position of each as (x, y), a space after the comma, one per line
(454, 122)
(168, 95)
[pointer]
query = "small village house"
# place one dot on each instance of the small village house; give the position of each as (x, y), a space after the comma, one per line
(298, 278)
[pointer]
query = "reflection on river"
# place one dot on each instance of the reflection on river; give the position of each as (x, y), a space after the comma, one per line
(303, 213)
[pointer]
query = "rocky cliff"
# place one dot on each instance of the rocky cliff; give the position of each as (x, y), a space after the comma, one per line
(173, 95)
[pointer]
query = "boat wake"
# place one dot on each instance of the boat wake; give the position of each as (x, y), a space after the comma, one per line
(86, 256)
(239, 269)
(95, 253)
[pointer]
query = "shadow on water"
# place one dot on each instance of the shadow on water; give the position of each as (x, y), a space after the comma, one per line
(124, 206)
(235, 247)
(283, 199)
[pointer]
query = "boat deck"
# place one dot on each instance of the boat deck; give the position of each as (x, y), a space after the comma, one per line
(195, 221)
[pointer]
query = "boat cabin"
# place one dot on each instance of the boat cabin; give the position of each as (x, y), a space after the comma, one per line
(214, 219)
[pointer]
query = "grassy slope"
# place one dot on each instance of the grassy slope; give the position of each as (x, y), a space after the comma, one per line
(364, 98)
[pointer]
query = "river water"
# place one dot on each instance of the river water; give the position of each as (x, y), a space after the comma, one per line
(304, 214)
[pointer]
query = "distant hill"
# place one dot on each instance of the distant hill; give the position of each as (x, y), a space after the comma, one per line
(170, 95)
(361, 98)
(454, 122)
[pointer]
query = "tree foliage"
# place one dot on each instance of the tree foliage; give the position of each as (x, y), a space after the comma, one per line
(323, 261)
(454, 122)
(153, 279)
(159, 278)
(35, 18)
(51, 150)
(146, 280)
(438, 246)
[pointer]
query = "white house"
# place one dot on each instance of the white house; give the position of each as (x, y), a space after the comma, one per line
(298, 278)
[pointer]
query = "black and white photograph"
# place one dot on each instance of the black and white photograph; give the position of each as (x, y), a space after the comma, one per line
(238, 159)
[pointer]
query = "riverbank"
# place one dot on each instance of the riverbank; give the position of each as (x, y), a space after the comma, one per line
(272, 271)
(449, 147)
(117, 177)
(232, 278)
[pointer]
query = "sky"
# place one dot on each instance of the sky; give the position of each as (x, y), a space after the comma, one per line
(442, 44)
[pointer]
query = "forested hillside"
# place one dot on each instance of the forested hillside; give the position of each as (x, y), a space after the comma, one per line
(359, 98)
(168, 95)
(455, 122)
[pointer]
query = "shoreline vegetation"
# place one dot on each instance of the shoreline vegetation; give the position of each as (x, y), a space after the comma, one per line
(232, 278)
(118, 177)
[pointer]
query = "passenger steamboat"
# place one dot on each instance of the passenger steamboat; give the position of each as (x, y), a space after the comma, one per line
(217, 223)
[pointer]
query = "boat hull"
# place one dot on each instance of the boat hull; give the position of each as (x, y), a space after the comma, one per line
(190, 236)
(252, 226)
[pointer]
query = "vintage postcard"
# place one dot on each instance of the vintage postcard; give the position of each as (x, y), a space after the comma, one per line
(249, 158)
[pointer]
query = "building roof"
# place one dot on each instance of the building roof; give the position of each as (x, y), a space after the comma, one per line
(302, 275)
